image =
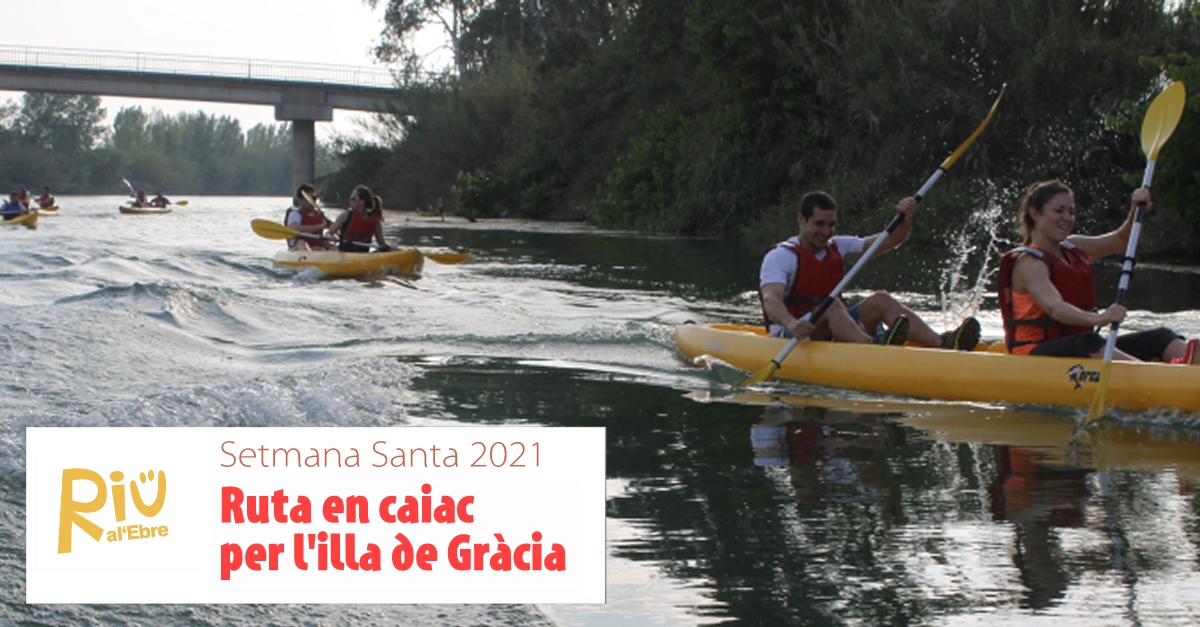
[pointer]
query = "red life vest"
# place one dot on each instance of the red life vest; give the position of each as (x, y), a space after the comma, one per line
(815, 279)
(358, 231)
(306, 219)
(1075, 280)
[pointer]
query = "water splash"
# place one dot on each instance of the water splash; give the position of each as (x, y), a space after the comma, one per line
(960, 294)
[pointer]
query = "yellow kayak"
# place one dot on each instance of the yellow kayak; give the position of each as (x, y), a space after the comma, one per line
(983, 375)
(144, 210)
(28, 219)
(51, 210)
(338, 265)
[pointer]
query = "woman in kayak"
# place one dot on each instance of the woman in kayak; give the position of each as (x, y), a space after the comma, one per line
(363, 221)
(23, 197)
(46, 199)
(1048, 286)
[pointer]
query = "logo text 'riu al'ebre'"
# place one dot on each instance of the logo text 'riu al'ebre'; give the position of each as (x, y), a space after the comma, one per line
(71, 512)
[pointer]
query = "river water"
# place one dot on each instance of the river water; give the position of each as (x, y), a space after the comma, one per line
(790, 505)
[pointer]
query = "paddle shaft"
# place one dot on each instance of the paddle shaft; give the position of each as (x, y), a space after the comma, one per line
(1127, 266)
(275, 230)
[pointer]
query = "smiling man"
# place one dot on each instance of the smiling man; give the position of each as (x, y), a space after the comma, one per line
(796, 275)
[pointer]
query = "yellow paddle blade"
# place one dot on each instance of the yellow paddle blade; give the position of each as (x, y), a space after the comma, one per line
(1098, 401)
(1162, 117)
(182, 203)
(446, 258)
(312, 201)
(272, 230)
(970, 140)
(762, 375)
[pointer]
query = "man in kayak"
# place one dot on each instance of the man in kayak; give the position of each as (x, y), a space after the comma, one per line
(797, 275)
(363, 222)
(1048, 287)
(159, 200)
(302, 216)
(13, 208)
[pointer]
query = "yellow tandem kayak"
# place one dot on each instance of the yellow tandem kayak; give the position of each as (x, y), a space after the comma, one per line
(340, 265)
(28, 219)
(978, 376)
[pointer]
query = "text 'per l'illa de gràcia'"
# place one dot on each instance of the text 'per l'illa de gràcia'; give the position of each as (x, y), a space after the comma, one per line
(339, 552)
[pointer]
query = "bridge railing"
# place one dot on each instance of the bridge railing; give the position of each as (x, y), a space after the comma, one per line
(156, 63)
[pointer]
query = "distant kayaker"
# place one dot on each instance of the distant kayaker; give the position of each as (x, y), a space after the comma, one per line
(159, 200)
(23, 197)
(363, 221)
(13, 208)
(1048, 287)
(302, 216)
(140, 199)
(46, 199)
(797, 275)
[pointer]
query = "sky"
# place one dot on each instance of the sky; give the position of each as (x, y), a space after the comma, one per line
(341, 32)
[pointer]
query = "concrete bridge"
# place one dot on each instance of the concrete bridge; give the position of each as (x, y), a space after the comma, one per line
(302, 93)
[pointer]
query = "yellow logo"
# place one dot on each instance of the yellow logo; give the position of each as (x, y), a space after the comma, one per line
(70, 511)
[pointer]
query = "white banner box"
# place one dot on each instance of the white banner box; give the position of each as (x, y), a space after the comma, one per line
(472, 514)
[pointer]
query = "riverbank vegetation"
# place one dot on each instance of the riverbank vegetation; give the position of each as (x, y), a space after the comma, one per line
(704, 117)
(62, 141)
(713, 116)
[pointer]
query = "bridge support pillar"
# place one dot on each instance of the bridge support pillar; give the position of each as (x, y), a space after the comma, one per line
(304, 152)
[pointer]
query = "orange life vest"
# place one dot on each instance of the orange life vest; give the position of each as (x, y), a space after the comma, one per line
(1025, 323)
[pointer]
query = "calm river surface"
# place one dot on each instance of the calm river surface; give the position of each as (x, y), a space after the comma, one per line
(790, 505)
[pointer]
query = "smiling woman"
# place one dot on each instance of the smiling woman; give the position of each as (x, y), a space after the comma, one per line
(1048, 286)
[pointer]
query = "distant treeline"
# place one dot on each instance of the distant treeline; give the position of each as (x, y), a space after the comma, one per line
(714, 116)
(62, 141)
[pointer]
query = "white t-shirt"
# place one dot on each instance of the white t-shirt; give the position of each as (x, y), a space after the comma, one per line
(294, 216)
(779, 265)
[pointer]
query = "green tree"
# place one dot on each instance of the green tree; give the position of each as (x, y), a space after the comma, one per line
(49, 138)
(713, 116)
(404, 19)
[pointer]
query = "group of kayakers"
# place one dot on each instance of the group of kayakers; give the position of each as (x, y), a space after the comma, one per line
(352, 231)
(19, 202)
(1047, 286)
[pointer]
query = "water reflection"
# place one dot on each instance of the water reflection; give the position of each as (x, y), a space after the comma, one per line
(1047, 482)
(830, 456)
(1037, 498)
(778, 510)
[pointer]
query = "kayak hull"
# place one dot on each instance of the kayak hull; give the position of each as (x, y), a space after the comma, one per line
(144, 210)
(29, 220)
(339, 265)
(977, 376)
